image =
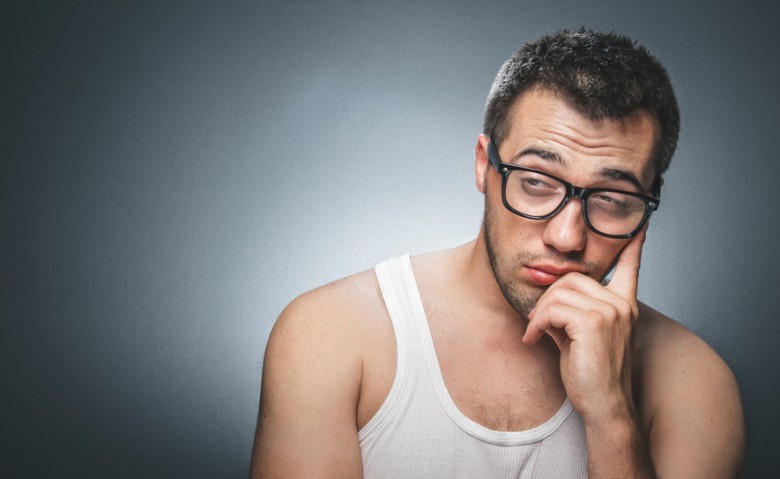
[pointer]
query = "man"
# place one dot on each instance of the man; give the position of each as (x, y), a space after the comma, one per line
(512, 356)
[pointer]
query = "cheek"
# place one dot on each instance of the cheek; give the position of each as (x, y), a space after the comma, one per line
(509, 232)
(513, 235)
(605, 252)
(616, 246)
(612, 249)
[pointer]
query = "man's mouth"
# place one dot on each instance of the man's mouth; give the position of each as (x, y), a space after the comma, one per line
(545, 275)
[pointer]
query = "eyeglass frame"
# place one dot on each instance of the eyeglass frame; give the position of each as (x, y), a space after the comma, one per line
(504, 169)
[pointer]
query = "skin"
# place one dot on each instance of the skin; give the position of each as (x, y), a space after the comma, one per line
(513, 339)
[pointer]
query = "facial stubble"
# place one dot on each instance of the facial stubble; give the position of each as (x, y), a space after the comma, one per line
(523, 298)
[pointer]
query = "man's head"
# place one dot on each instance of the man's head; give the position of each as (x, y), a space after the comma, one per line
(601, 75)
(591, 110)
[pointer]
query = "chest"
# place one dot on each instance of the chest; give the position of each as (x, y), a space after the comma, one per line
(493, 378)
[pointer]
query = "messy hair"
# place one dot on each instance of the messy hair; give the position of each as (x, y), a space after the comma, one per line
(602, 75)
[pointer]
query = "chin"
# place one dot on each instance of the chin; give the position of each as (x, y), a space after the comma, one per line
(522, 299)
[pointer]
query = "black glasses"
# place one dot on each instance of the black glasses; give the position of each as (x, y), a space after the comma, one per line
(536, 195)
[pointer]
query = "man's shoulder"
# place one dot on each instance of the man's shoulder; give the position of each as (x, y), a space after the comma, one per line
(314, 371)
(663, 341)
(347, 295)
(338, 314)
(670, 349)
(679, 373)
(687, 395)
(340, 303)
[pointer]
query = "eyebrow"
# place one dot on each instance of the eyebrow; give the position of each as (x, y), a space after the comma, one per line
(615, 174)
(547, 155)
(610, 173)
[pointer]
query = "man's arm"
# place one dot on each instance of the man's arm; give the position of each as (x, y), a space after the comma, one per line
(311, 383)
(694, 413)
(593, 325)
(691, 415)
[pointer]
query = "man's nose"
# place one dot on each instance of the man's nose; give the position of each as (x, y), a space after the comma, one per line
(567, 231)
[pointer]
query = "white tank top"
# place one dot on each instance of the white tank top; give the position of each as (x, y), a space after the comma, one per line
(419, 431)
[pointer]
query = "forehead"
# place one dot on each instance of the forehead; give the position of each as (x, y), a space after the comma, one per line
(541, 120)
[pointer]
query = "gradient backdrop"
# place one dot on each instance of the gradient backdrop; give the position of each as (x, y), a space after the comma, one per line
(173, 173)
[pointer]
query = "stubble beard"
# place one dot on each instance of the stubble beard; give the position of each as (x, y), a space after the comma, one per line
(523, 298)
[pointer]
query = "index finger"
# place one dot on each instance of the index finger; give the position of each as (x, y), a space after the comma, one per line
(624, 280)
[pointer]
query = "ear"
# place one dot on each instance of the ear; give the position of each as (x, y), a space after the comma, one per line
(481, 162)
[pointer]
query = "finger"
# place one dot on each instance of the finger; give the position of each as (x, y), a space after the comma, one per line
(592, 300)
(624, 280)
(535, 329)
(573, 280)
(578, 290)
(555, 320)
(580, 283)
(586, 296)
(558, 335)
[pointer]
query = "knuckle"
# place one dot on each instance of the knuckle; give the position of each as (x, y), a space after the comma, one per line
(614, 312)
(557, 310)
(625, 309)
(556, 294)
(595, 318)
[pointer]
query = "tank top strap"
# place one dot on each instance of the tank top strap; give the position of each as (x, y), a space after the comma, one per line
(399, 289)
(403, 305)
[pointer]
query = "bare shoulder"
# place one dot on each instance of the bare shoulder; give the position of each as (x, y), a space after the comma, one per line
(659, 336)
(333, 321)
(312, 380)
(666, 350)
(338, 302)
(688, 400)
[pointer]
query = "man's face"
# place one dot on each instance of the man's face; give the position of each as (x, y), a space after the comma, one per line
(548, 135)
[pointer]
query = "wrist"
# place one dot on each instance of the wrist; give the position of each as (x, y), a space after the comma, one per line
(617, 446)
(613, 410)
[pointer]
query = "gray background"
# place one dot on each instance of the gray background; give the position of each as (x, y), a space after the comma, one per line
(173, 173)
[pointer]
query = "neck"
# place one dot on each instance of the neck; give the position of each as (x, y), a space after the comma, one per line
(473, 270)
(489, 316)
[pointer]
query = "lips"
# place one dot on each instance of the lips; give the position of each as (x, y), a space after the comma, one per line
(545, 275)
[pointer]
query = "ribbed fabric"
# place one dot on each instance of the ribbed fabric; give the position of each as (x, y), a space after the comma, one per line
(419, 432)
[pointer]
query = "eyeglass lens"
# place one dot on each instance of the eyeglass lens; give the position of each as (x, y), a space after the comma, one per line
(535, 194)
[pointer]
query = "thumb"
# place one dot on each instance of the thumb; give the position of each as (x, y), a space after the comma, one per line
(624, 280)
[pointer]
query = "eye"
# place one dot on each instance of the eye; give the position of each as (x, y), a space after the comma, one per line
(613, 200)
(535, 184)
(615, 203)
